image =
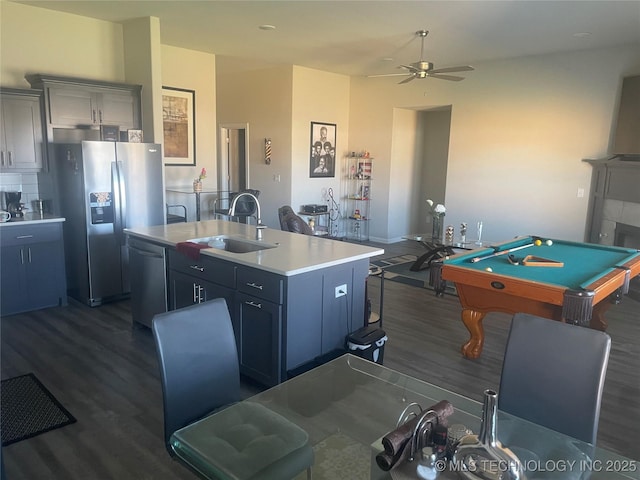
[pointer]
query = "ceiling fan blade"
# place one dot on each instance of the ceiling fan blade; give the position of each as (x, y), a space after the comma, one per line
(445, 77)
(390, 75)
(461, 68)
(407, 80)
(411, 68)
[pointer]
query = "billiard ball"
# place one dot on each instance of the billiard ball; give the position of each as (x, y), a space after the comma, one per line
(549, 242)
(537, 243)
(489, 269)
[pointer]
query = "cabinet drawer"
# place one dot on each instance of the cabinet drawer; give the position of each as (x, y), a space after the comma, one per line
(29, 234)
(206, 268)
(261, 284)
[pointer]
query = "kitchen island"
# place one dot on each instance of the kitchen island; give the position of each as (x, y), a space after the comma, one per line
(292, 301)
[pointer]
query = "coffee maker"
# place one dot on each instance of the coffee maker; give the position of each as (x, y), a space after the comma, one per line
(14, 207)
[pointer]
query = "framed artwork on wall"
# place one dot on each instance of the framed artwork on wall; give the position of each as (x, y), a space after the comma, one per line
(179, 126)
(322, 150)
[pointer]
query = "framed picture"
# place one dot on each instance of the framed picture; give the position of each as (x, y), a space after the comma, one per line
(135, 136)
(179, 126)
(109, 133)
(322, 150)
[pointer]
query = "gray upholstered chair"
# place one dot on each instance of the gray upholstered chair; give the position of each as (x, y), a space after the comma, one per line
(200, 375)
(245, 208)
(553, 375)
(291, 222)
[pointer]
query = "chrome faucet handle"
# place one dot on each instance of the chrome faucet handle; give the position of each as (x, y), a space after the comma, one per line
(259, 228)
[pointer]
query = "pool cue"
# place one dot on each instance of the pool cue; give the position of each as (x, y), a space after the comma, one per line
(503, 252)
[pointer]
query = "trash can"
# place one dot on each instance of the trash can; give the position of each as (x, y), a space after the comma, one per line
(368, 343)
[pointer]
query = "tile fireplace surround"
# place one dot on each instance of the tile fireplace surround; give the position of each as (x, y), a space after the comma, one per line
(619, 215)
(614, 217)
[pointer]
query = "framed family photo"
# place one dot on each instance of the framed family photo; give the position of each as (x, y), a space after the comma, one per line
(179, 126)
(322, 161)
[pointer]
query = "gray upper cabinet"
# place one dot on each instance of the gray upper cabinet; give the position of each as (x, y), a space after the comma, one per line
(21, 138)
(76, 103)
(77, 106)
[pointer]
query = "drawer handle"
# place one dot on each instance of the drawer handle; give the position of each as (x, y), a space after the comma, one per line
(254, 285)
(253, 304)
(24, 236)
(196, 267)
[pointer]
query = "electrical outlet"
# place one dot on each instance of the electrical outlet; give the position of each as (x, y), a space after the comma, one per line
(341, 290)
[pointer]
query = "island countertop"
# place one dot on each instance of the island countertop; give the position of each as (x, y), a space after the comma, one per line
(295, 253)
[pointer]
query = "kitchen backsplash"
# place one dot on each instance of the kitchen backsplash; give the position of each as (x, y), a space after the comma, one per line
(27, 183)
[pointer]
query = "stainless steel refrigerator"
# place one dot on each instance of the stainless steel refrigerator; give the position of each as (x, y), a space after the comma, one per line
(104, 187)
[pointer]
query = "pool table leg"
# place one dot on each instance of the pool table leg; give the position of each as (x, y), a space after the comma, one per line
(472, 319)
(598, 322)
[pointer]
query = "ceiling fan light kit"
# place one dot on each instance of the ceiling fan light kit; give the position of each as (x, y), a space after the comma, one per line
(424, 69)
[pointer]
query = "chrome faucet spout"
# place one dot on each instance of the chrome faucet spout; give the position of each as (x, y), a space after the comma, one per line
(259, 225)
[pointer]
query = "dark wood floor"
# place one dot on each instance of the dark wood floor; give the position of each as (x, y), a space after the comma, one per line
(105, 372)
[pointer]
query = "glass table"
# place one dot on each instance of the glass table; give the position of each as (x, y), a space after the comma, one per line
(190, 191)
(436, 249)
(347, 405)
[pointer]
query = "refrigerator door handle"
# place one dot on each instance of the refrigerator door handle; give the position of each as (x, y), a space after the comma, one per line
(123, 195)
(116, 188)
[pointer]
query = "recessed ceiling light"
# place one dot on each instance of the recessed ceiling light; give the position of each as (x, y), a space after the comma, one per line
(387, 59)
(267, 27)
(582, 34)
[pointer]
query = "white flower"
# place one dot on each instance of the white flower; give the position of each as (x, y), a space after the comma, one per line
(438, 209)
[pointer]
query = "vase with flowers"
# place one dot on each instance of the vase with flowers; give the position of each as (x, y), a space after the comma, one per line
(197, 183)
(437, 220)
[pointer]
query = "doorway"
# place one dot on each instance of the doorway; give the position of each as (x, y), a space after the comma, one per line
(233, 164)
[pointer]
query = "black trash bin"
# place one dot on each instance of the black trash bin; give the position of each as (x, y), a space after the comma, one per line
(368, 343)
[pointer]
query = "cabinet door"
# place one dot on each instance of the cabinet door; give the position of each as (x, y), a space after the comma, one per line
(118, 108)
(13, 294)
(188, 290)
(259, 345)
(21, 133)
(43, 265)
(72, 107)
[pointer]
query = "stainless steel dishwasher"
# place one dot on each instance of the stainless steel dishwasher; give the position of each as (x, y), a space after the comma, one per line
(148, 273)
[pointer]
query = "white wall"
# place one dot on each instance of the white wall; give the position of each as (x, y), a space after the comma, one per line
(36, 40)
(519, 131)
(317, 97)
(404, 171)
(261, 99)
(191, 70)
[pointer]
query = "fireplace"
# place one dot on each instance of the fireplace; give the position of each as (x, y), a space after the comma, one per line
(629, 236)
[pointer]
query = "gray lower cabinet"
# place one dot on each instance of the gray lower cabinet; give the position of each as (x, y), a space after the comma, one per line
(259, 334)
(280, 322)
(32, 273)
(188, 290)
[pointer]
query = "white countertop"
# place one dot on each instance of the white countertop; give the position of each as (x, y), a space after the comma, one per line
(295, 253)
(30, 219)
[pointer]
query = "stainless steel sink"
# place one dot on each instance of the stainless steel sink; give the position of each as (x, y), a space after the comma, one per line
(234, 244)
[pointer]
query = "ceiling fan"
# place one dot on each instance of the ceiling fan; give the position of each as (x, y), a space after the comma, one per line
(424, 69)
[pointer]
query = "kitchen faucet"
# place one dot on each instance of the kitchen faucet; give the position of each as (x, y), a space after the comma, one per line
(259, 225)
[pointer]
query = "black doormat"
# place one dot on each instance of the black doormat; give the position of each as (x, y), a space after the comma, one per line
(28, 409)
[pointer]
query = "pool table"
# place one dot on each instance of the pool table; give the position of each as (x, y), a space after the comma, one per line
(578, 288)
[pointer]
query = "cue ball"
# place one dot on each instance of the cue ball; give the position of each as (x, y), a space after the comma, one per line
(488, 269)
(537, 243)
(549, 242)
